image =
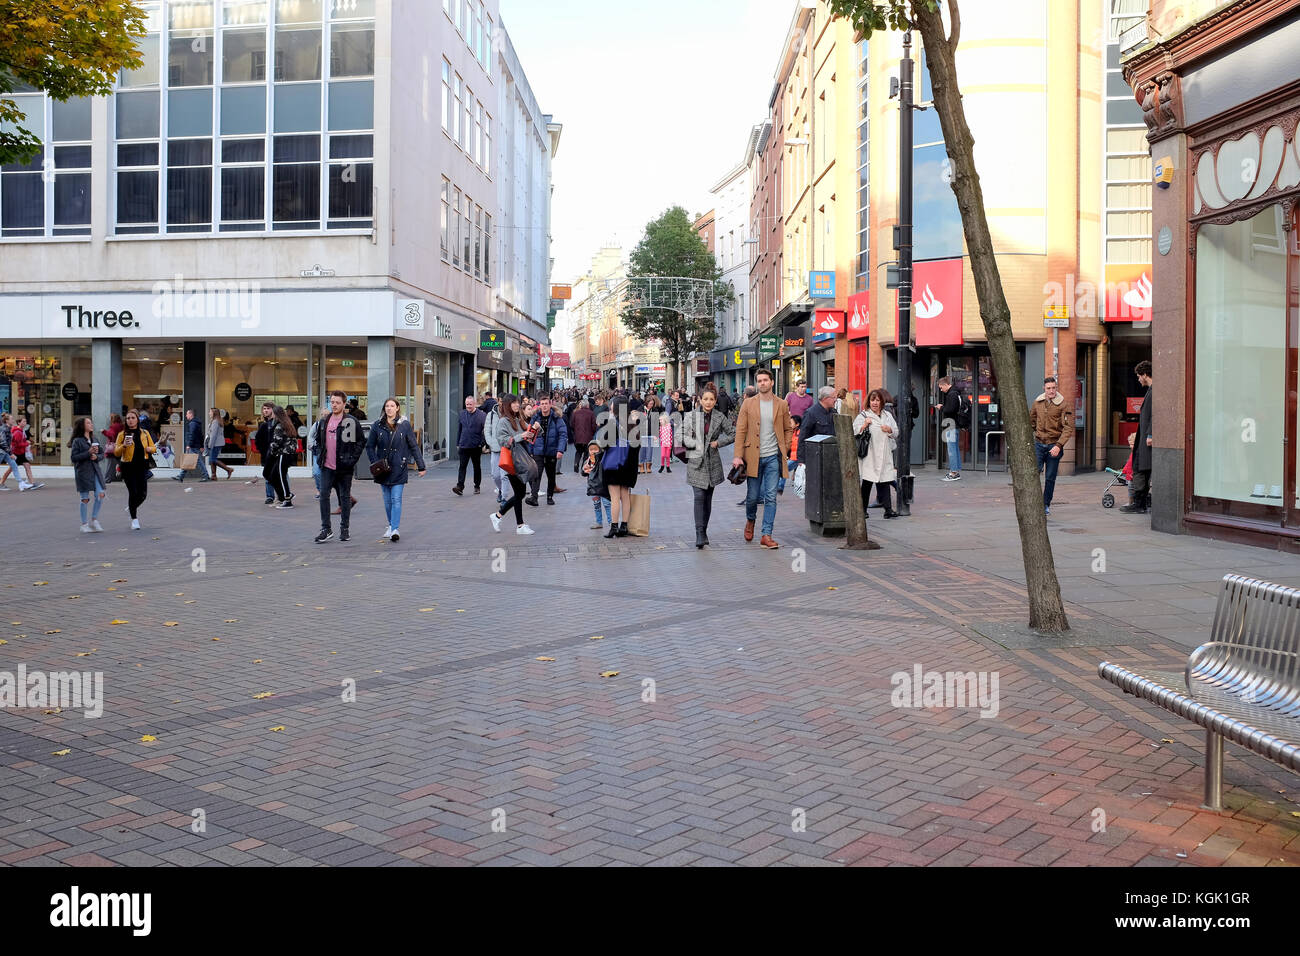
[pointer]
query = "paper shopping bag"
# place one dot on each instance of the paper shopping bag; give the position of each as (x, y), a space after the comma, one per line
(638, 517)
(189, 461)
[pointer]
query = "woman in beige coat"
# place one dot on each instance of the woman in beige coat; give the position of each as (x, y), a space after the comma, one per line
(877, 468)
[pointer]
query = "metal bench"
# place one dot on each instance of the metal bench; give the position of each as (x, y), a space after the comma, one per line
(1243, 686)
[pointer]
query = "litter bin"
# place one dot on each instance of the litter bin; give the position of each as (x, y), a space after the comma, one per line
(823, 488)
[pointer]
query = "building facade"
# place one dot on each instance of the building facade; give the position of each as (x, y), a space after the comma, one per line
(825, 207)
(1220, 97)
(261, 212)
(732, 195)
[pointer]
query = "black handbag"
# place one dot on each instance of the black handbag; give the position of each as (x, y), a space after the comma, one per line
(380, 468)
(737, 474)
(863, 440)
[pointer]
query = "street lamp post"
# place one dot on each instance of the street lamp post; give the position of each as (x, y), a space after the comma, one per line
(903, 243)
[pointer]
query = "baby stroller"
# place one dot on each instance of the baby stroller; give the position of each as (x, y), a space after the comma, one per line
(1120, 477)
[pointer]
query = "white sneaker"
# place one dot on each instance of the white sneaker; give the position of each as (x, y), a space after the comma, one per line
(524, 529)
(24, 485)
(135, 524)
(96, 526)
(496, 522)
(86, 529)
(394, 537)
(388, 531)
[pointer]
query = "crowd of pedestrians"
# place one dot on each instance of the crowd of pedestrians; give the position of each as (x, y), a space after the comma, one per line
(618, 436)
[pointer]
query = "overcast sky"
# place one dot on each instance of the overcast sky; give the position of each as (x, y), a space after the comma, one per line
(657, 98)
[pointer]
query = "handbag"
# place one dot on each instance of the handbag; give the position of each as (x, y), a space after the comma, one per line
(615, 457)
(525, 466)
(863, 440)
(381, 468)
(507, 460)
(737, 475)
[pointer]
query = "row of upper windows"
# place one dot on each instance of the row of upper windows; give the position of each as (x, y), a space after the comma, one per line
(466, 233)
(475, 25)
(295, 41)
(465, 120)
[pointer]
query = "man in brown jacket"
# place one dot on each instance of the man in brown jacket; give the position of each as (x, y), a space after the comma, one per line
(763, 430)
(1053, 422)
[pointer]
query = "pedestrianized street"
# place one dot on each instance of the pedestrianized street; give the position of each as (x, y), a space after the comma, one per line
(463, 697)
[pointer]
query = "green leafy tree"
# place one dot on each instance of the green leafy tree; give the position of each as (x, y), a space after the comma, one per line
(1046, 610)
(672, 248)
(68, 48)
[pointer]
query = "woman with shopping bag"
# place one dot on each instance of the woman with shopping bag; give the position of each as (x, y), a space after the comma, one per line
(620, 463)
(512, 434)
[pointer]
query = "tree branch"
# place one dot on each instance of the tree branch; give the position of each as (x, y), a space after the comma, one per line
(954, 35)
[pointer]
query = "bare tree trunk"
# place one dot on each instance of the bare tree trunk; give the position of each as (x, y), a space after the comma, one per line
(1046, 611)
(855, 518)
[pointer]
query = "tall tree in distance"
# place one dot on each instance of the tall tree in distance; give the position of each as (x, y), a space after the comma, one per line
(1046, 610)
(67, 48)
(672, 248)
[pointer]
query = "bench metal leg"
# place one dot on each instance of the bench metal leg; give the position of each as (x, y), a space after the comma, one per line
(1213, 771)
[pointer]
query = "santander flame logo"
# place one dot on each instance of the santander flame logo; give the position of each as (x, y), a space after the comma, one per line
(829, 324)
(859, 321)
(928, 307)
(1139, 297)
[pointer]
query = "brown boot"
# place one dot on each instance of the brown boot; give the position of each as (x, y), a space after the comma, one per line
(769, 542)
(749, 531)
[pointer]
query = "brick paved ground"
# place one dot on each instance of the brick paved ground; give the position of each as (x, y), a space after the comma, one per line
(772, 690)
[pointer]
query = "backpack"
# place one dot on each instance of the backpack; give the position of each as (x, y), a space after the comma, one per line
(963, 411)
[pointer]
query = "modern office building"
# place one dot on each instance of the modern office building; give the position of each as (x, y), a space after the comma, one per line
(289, 197)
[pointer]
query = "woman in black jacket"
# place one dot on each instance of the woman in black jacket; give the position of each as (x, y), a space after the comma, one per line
(281, 452)
(392, 440)
(620, 475)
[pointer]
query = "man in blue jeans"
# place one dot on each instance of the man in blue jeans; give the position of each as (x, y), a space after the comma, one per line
(1053, 422)
(763, 430)
(949, 410)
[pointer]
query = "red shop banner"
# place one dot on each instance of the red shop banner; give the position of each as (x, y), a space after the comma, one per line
(828, 320)
(937, 302)
(859, 313)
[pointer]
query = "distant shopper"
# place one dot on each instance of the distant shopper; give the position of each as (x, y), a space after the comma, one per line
(818, 420)
(763, 431)
(584, 430)
(949, 410)
(799, 401)
(1139, 492)
(86, 455)
(133, 448)
(7, 455)
(281, 454)
(393, 440)
(877, 468)
(194, 444)
(704, 432)
(666, 437)
(620, 462)
(512, 430)
(469, 444)
(21, 449)
(262, 442)
(340, 440)
(216, 442)
(110, 462)
(1052, 419)
(493, 411)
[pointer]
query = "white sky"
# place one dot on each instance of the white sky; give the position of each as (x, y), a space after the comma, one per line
(657, 98)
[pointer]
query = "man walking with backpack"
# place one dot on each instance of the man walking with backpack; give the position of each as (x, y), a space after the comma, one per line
(954, 415)
(1053, 422)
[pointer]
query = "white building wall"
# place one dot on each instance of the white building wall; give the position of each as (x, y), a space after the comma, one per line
(731, 230)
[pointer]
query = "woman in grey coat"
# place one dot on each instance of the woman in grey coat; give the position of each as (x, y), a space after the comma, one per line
(704, 431)
(86, 455)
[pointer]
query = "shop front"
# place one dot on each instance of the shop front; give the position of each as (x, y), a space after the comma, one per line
(164, 353)
(1222, 104)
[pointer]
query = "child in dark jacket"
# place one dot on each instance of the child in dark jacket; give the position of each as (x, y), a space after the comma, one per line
(596, 486)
